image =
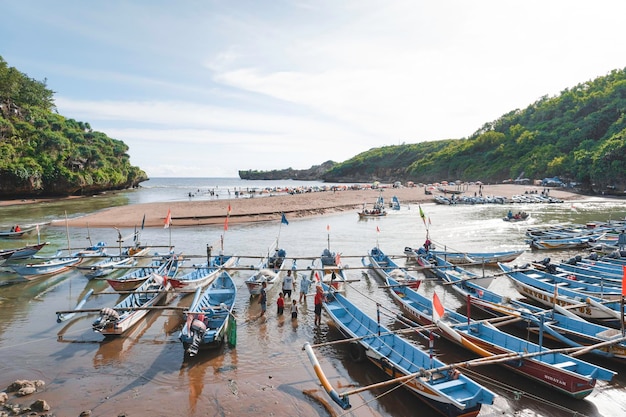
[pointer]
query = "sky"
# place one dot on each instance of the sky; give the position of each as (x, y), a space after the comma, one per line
(205, 88)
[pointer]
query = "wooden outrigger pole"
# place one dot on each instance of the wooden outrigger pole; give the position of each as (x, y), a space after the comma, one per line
(342, 401)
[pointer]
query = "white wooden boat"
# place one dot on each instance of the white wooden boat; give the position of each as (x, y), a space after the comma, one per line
(269, 270)
(111, 264)
(47, 267)
(204, 274)
(114, 321)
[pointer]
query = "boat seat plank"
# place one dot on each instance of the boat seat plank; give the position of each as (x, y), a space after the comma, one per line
(225, 291)
(449, 384)
(565, 365)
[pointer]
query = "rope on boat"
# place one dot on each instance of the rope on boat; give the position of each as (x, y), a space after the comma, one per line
(518, 394)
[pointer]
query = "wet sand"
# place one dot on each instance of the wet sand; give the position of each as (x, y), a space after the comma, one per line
(268, 208)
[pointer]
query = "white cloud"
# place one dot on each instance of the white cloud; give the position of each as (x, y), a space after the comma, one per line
(216, 87)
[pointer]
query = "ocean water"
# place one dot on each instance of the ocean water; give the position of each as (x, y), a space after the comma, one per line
(267, 373)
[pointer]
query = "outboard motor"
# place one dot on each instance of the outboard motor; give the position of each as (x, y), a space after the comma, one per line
(198, 328)
(551, 269)
(593, 256)
(571, 261)
(107, 316)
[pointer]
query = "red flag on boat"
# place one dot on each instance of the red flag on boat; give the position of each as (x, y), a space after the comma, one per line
(168, 219)
(228, 210)
(624, 280)
(377, 229)
(438, 309)
(328, 227)
(226, 223)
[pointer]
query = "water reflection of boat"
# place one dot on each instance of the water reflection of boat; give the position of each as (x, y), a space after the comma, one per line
(195, 368)
(114, 350)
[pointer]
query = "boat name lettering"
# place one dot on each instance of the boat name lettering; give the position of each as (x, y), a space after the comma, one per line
(541, 296)
(555, 380)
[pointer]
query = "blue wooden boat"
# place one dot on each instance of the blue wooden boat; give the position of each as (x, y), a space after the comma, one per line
(395, 203)
(449, 392)
(588, 307)
(573, 242)
(92, 251)
(556, 323)
(580, 272)
(210, 319)
(383, 266)
(478, 258)
(564, 373)
(585, 285)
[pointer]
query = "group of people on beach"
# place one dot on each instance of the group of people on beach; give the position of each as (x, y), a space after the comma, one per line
(287, 289)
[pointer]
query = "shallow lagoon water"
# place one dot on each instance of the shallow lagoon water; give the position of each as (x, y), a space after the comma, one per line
(267, 373)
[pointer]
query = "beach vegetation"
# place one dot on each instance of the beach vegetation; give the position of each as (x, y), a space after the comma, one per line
(579, 135)
(43, 153)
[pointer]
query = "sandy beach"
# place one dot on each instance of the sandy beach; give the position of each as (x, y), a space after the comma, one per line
(270, 207)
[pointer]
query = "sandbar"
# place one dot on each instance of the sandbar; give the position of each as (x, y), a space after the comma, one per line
(271, 207)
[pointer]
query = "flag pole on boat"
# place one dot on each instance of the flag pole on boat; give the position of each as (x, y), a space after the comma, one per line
(168, 222)
(283, 220)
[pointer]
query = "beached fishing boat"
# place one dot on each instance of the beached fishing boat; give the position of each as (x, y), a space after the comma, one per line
(564, 373)
(210, 321)
(165, 265)
(443, 388)
(204, 274)
(478, 258)
(92, 251)
(271, 267)
(45, 267)
(383, 266)
(557, 323)
(585, 285)
(328, 269)
(395, 203)
(114, 321)
(128, 258)
(573, 242)
(270, 270)
(23, 252)
(609, 313)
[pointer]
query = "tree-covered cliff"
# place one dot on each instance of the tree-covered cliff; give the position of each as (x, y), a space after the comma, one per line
(44, 154)
(579, 135)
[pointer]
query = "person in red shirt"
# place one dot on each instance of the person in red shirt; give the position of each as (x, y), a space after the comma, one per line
(319, 299)
(280, 304)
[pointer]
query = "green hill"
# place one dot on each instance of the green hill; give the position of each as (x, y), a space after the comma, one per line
(44, 154)
(579, 136)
